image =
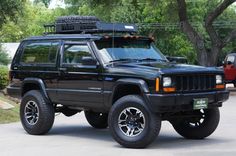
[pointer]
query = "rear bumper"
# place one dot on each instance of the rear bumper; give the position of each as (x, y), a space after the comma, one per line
(184, 102)
(14, 91)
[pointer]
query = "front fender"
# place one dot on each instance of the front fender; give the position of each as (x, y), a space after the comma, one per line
(133, 81)
(139, 82)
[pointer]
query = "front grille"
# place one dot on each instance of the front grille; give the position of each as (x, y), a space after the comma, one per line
(195, 82)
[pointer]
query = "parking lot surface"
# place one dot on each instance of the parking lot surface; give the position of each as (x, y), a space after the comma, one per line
(74, 136)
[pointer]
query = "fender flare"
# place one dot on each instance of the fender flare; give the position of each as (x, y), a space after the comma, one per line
(38, 82)
(133, 81)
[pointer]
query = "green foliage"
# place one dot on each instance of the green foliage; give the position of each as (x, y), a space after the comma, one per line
(30, 23)
(9, 9)
(170, 39)
(4, 78)
(4, 57)
(45, 2)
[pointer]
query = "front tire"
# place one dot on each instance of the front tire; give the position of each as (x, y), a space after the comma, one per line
(131, 122)
(200, 126)
(37, 116)
(97, 120)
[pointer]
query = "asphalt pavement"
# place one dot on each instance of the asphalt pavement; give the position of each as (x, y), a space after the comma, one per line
(74, 136)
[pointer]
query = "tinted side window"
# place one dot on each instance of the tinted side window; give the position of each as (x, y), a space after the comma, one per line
(40, 53)
(73, 53)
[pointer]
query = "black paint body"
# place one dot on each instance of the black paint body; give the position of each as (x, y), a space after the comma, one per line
(93, 87)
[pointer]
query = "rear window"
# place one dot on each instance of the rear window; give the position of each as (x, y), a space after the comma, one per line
(40, 53)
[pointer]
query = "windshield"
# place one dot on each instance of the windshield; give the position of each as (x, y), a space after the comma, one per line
(120, 49)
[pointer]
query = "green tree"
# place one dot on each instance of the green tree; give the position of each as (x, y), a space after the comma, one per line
(4, 57)
(45, 2)
(170, 41)
(158, 18)
(30, 23)
(204, 36)
(208, 49)
(9, 9)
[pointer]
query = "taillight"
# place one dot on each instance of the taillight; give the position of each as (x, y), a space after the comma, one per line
(10, 76)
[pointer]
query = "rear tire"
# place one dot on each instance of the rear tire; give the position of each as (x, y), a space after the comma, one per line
(131, 122)
(37, 116)
(97, 120)
(198, 127)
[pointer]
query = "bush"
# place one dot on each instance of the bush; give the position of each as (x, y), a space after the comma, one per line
(4, 57)
(4, 78)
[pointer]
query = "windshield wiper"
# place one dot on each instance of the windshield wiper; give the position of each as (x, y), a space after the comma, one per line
(122, 60)
(152, 59)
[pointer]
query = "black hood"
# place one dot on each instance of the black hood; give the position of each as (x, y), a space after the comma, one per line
(152, 69)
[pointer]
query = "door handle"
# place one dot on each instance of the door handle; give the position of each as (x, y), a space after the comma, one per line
(63, 69)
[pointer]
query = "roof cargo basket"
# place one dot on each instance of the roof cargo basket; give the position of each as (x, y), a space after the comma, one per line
(86, 24)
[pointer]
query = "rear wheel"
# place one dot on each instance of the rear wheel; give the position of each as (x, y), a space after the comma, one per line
(97, 120)
(37, 116)
(131, 122)
(201, 125)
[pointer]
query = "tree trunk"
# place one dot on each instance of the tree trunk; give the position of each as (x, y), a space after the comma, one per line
(213, 56)
(205, 57)
(202, 56)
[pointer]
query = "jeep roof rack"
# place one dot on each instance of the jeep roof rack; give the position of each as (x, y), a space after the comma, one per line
(85, 25)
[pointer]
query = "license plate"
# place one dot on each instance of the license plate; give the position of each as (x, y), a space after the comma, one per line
(200, 103)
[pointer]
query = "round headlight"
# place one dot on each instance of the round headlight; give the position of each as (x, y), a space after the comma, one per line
(219, 79)
(167, 82)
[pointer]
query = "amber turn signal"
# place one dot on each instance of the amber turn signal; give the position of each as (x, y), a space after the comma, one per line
(157, 84)
(222, 86)
(169, 89)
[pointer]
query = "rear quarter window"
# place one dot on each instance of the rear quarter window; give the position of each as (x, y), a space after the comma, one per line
(40, 53)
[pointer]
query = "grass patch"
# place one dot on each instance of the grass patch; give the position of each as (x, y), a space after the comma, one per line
(10, 115)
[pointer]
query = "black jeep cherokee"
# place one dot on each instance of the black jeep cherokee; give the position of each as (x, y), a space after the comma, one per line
(120, 81)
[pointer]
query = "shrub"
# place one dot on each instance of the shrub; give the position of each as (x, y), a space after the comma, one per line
(4, 78)
(4, 57)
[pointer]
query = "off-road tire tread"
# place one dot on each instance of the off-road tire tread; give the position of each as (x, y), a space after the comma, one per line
(200, 132)
(153, 127)
(46, 114)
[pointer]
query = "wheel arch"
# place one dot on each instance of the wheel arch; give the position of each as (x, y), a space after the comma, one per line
(34, 84)
(128, 86)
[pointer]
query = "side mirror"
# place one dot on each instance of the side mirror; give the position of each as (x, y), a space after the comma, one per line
(229, 63)
(222, 64)
(88, 60)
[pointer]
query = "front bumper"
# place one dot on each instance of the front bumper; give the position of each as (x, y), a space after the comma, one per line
(184, 102)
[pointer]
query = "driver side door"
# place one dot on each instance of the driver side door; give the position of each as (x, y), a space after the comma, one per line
(79, 83)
